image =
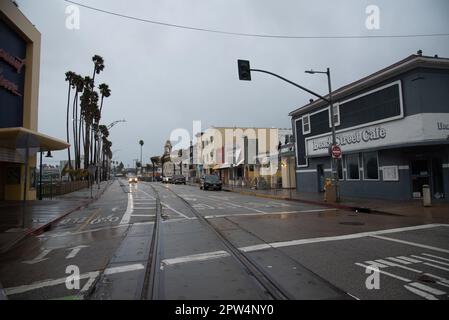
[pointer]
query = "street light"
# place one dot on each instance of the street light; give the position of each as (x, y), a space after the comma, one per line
(40, 172)
(335, 162)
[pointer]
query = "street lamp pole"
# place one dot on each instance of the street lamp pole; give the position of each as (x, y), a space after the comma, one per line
(335, 162)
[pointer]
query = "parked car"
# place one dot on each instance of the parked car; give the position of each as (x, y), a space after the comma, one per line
(166, 179)
(210, 182)
(133, 180)
(178, 179)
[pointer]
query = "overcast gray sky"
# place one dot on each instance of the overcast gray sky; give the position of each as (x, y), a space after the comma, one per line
(163, 78)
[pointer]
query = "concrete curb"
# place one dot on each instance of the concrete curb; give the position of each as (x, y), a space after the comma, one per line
(320, 203)
(41, 229)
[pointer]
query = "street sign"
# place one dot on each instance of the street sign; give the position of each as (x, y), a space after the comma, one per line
(336, 152)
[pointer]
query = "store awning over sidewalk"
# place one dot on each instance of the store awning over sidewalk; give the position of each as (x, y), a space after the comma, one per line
(16, 138)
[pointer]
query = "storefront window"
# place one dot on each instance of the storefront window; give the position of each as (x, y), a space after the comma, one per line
(339, 168)
(306, 124)
(370, 166)
(352, 166)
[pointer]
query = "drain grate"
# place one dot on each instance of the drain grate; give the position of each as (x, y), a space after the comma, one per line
(352, 223)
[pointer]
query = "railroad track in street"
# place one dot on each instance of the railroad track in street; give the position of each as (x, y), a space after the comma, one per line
(271, 288)
(150, 289)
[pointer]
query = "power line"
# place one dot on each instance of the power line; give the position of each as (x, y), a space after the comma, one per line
(242, 34)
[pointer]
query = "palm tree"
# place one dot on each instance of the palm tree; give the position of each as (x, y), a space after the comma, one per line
(104, 92)
(98, 67)
(79, 85)
(107, 153)
(69, 76)
(89, 105)
(104, 132)
(141, 145)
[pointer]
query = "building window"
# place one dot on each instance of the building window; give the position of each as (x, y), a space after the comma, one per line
(340, 169)
(352, 167)
(306, 124)
(336, 115)
(370, 166)
(211, 139)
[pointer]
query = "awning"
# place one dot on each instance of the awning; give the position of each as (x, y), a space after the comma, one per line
(21, 138)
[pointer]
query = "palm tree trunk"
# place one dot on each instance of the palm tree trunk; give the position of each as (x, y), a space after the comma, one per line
(67, 125)
(91, 141)
(86, 145)
(80, 127)
(74, 127)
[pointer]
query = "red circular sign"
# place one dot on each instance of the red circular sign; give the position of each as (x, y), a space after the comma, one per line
(336, 152)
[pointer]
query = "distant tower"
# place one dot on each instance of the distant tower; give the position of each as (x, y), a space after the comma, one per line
(167, 148)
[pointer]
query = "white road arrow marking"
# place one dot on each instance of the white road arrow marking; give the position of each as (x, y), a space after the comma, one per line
(40, 257)
(74, 251)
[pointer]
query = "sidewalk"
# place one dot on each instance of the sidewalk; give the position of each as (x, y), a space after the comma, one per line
(18, 220)
(439, 212)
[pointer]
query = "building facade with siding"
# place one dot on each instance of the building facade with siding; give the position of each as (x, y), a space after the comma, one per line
(393, 129)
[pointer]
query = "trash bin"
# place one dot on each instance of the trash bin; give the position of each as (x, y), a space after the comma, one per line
(426, 198)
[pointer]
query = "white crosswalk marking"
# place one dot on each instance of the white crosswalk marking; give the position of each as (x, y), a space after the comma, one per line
(427, 288)
(392, 264)
(398, 260)
(409, 259)
(421, 293)
(431, 260)
(434, 256)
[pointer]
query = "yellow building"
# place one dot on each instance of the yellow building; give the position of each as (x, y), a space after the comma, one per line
(19, 91)
(239, 155)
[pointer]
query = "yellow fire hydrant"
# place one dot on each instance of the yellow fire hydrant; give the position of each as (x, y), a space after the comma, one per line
(327, 188)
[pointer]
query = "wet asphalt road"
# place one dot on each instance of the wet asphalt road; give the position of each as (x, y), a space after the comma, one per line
(309, 252)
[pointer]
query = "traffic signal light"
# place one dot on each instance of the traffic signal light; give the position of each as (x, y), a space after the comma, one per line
(244, 70)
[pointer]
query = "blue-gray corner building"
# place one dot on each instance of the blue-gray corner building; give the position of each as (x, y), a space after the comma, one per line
(393, 129)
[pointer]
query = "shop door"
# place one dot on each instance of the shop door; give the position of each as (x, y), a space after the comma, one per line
(437, 187)
(320, 176)
(420, 174)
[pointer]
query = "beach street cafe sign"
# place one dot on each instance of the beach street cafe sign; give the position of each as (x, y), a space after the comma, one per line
(416, 128)
(354, 137)
(17, 64)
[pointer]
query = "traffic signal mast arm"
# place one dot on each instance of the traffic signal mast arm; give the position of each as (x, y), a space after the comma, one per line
(292, 83)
